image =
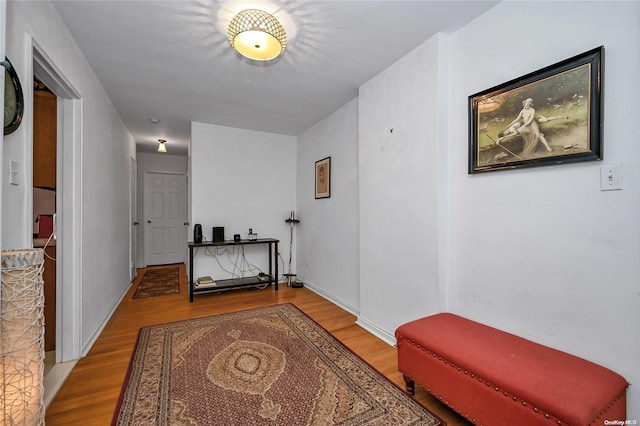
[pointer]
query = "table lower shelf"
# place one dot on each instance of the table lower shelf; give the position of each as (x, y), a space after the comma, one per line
(234, 283)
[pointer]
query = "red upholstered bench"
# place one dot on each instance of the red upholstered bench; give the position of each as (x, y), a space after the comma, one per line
(495, 378)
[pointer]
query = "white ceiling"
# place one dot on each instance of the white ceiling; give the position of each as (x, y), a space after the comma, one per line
(171, 60)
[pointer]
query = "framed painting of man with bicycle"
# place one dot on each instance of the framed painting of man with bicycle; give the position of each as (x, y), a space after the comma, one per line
(550, 116)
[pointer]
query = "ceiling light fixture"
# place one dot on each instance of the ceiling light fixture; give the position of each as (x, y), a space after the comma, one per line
(161, 146)
(257, 35)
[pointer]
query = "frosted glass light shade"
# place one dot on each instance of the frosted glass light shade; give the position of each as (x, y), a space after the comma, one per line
(161, 146)
(257, 35)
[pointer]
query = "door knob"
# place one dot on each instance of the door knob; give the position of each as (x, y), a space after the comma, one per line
(186, 223)
(136, 223)
(149, 221)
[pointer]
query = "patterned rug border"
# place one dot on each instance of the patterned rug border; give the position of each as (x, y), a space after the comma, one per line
(125, 383)
(151, 268)
(140, 331)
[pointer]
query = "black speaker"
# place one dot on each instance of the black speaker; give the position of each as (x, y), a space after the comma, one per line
(218, 234)
(197, 233)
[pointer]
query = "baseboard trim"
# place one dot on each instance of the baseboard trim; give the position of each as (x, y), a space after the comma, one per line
(332, 298)
(377, 331)
(368, 326)
(87, 346)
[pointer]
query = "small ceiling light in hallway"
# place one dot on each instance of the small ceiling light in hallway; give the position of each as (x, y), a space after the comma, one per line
(161, 146)
(257, 35)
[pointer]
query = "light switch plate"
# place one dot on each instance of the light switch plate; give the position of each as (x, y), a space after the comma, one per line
(610, 177)
(13, 172)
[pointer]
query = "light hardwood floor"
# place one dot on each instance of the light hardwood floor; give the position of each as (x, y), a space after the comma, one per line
(90, 394)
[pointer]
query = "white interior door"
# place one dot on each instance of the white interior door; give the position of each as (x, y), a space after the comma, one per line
(132, 219)
(165, 217)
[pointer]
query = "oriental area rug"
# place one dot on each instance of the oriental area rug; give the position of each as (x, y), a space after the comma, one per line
(265, 366)
(159, 281)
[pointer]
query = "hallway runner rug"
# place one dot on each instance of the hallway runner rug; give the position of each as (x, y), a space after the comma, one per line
(159, 281)
(265, 366)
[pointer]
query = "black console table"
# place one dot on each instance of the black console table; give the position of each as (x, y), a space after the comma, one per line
(231, 283)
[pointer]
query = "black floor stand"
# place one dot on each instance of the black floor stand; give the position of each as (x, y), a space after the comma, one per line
(291, 278)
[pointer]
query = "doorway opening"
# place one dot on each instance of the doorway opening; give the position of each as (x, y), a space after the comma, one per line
(133, 217)
(68, 200)
(44, 185)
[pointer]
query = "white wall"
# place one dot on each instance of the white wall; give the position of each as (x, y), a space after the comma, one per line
(327, 236)
(106, 149)
(157, 163)
(399, 206)
(540, 252)
(543, 252)
(241, 179)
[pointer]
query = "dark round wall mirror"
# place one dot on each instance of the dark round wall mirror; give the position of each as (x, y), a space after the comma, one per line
(13, 100)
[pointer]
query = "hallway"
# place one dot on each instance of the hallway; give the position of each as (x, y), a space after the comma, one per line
(91, 392)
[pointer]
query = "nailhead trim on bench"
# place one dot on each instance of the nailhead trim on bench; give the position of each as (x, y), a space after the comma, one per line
(609, 405)
(466, 372)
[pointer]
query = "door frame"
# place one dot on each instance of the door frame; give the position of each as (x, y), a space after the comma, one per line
(144, 209)
(69, 202)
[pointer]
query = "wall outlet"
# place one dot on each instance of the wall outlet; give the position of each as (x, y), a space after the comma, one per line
(610, 177)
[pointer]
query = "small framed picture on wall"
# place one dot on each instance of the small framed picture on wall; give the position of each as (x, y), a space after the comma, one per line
(323, 178)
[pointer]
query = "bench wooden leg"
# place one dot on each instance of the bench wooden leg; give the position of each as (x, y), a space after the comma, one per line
(411, 385)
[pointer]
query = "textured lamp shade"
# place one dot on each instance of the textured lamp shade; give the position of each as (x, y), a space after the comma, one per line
(22, 337)
(161, 146)
(257, 35)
